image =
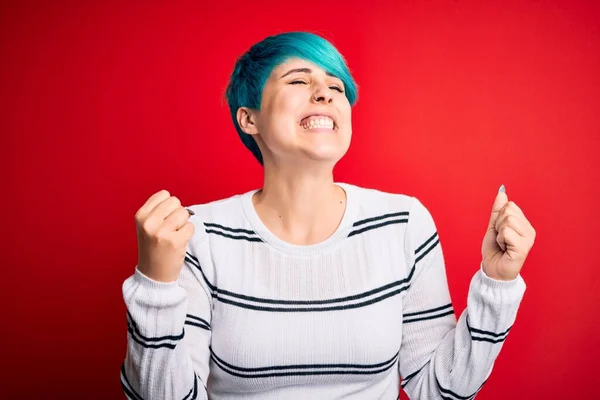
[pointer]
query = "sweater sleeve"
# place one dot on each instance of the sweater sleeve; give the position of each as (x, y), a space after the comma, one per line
(169, 332)
(441, 357)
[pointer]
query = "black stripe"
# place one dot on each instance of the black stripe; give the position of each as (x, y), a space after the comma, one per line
(367, 220)
(500, 336)
(193, 391)
(426, 243)
(303, 366)
(196, 263)
(227, 369)
(312, 302)
(487, 332)
(131, 393)
(316, 309)
(198, 325)
(409, 377)
(216, 293)
(128, 392)
(427, 251)
(193, 317)
(195, 395)
(482, 339)
(447, 391)
(152, 339)
(449, 305)
(446, 397)
(449, 312)
(490, 333)
(149, 346)
(304, 373)
(249, 239)
(234, 230)
(370, 227)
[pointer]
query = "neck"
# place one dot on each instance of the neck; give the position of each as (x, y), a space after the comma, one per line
(300, 207)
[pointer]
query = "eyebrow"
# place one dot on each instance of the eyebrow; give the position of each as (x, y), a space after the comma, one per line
(304, 70)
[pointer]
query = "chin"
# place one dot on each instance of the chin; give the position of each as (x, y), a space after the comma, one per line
(326, 155)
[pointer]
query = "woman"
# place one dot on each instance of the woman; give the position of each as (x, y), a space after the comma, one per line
(307, 288)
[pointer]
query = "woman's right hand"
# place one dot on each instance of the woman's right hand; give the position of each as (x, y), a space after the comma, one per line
(163, 232)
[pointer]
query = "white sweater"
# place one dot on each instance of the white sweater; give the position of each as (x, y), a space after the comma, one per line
(254, 317)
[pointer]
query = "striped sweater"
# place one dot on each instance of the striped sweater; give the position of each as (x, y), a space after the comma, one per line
(352, 317)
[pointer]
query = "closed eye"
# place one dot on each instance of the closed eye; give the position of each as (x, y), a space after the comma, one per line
(339, 89)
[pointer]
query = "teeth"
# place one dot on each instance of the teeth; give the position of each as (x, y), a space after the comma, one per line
(318, 122)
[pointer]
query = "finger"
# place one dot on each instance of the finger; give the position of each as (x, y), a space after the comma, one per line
(511, 221)
(526, 229)
(499, 203)
(515, 208)
(514, 243)
(501, 240)
(512, 208)
(186, 232)
(176, 220)
(152, 202)
(164, 209)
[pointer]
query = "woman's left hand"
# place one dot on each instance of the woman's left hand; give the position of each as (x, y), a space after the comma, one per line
(508, 240)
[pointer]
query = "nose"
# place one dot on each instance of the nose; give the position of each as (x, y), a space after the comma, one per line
(322, 94)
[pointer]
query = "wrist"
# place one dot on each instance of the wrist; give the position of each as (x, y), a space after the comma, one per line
(155, 280)
(160, 277)
(498, 277)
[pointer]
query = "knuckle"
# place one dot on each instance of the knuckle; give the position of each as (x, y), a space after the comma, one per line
(148, 225)
(175, 200)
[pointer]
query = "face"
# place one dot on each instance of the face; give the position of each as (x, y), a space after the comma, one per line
(304, 115)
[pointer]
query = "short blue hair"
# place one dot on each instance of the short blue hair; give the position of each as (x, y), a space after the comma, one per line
(253, 68)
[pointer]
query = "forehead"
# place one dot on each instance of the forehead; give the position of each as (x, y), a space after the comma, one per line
(293, 63)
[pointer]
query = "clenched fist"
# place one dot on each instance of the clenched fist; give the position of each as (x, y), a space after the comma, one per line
(508, 240)
(163, 231)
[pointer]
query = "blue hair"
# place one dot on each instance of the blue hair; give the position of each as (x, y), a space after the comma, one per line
(252, 69)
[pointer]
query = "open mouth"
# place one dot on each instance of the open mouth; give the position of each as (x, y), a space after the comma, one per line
(315, 122)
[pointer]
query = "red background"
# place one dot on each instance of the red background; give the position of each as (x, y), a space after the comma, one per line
(104, 104)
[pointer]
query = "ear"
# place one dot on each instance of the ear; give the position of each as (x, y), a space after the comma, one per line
(246, 118)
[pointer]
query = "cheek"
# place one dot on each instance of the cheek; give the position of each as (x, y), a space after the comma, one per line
(347, 117)
(284, 110)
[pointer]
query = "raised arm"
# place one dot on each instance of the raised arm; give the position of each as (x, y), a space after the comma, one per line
(441, 357)
(168, 307)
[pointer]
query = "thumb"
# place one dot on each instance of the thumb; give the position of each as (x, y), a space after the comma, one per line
(499, 203)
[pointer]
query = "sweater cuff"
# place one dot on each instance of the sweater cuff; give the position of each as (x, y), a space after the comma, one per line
(498, 292)
(156, 308)
(154, 294)
(150, 283)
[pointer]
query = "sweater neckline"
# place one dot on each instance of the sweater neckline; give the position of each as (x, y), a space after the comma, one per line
(270, 238)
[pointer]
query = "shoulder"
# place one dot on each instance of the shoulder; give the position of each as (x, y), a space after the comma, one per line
(373, 201)
(224, 218)
(226, 212)
(379, 204)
